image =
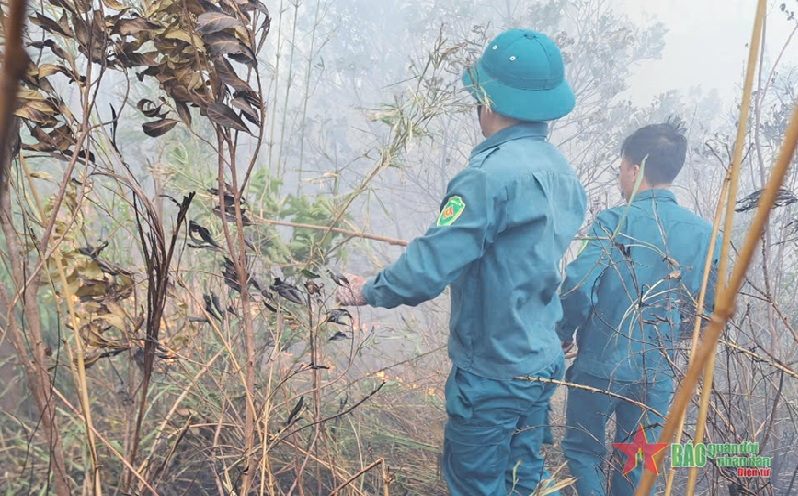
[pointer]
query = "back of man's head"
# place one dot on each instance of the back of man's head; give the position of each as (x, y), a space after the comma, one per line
(663, 146)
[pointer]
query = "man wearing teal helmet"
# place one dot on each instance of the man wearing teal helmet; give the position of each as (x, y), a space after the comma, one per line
(504, 225)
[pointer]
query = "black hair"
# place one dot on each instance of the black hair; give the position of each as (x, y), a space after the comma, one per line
(664, 144)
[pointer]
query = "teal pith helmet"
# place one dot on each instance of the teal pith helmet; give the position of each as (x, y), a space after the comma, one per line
(521, 75)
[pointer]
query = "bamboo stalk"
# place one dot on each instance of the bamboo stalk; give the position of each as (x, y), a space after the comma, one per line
(742, 123)
(699, 310)
(742, 126)
(385, 479)
(725, 306)
(26, 287)
(78, 366)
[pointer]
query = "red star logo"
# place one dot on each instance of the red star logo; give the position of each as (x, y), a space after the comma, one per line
(640, 446)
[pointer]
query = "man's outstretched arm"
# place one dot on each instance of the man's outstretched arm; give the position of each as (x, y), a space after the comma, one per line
(467, 224)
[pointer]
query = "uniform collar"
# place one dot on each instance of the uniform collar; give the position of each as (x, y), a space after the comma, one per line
(521, 130)
(656, 194)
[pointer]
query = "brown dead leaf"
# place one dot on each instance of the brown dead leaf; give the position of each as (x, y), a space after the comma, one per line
(158, 128)
(50, 25)
(148, 108)
(183, 112)
(133, 26)
(213, 22)
(34, 115)
(226, 44)
(114, 5)
(246, 110)
(224, 116)
(57, 50)
(232, 80)
(250, 5)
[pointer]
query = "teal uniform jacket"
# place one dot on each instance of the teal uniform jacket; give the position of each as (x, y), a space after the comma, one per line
(504, 226)
(626, 294)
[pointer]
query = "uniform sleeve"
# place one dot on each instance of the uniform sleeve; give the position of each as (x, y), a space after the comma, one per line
(576, 293)
(709, 297)
(467, 224)
(687, 308)
(712, 281)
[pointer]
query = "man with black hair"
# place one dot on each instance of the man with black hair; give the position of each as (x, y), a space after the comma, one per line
(504, 225)
(637, 272)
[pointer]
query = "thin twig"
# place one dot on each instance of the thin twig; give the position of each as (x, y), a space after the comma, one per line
(351, 479)
(108, 445)
(759, 358)
(592, 390)
(352, 234)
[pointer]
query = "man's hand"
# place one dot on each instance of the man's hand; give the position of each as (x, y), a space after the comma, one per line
(351, 295)
(567, 346)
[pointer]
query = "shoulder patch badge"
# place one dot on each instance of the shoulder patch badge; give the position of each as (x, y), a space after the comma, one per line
(451, 211)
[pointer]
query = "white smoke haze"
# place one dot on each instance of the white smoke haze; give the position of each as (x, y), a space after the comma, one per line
(365, 121)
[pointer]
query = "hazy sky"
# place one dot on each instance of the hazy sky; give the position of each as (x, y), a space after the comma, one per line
(705, 45)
